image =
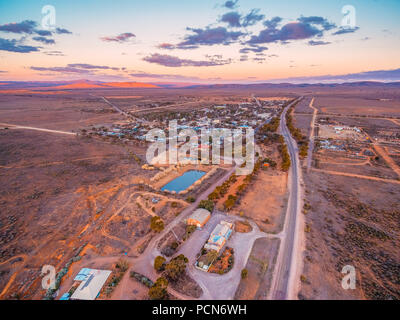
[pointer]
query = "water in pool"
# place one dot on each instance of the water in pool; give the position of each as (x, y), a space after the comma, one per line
(184, 181)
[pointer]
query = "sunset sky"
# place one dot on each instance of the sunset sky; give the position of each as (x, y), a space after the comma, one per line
(204, 41)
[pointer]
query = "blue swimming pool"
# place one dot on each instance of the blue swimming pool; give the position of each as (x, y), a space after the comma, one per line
(184, 181)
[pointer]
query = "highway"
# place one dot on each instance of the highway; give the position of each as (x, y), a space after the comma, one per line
(116, 108)
(286, 268)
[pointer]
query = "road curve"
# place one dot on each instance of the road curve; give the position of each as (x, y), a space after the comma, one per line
(285, 268)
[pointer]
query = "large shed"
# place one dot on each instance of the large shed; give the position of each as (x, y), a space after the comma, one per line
(91, 285)
(198, 218)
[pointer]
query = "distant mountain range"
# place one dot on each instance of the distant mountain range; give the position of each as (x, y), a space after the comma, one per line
(88, 84)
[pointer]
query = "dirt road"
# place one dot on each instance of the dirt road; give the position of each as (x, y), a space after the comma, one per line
(15, 126)
(353, 175)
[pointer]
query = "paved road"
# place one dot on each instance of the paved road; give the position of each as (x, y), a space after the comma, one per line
(116, 108)
(284, 273)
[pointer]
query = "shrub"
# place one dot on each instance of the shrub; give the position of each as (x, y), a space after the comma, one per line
(244, 273)
(122, 265)
(190, 199)
(156, 224)
(174, 204)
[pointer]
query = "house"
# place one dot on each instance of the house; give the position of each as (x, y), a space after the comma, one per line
(198, 218)
(92, 282)
(219, 236)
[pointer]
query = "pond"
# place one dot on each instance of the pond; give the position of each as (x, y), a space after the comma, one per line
(184, 181)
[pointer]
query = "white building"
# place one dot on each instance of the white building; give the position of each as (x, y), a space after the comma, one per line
(91, 285)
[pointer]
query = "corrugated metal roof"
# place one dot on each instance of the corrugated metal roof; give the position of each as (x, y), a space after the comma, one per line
(200, 215)
(90, 288)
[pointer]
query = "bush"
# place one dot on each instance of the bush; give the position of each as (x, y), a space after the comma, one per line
(230, 202)
(159, 290)
(122, 265)
(211, 256)
(244, 273)
(190, 199)
(189, 230)
(174, 245)
(174, 204)
(207, 204)
(156, 224)
(159, 263)
(176, 267)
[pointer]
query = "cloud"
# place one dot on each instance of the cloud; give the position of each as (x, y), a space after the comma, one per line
(236, 20)
(377, 75)
(168, 46)
(62, 69)
(231, 4)
(14, 45)
(78, 68)
(43, 33)
(302, 28)
(232, 19)
(272, 23)
(44, 40)
(252, 18)
(324, 23)
(161, 76)
(259, 60)
(30, 27)
(62, 31)
(255, 49)
(318, 43)
(171, 61)
(209, 37)
(123, 37)
(26, 26)
(90, 66)
(53, 53)
(343, 30)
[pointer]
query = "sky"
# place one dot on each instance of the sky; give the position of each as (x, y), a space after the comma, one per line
(207, 41)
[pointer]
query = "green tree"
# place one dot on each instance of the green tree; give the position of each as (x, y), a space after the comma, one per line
(207, 204)
(176, 267)
(159, 263)
(244, 273)
(159, 289)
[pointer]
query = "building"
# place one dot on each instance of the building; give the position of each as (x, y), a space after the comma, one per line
(198, 218)
(92, 282)
(219, 236)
